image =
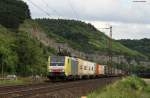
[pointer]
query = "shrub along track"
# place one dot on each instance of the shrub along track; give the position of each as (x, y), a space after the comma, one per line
(71, 89)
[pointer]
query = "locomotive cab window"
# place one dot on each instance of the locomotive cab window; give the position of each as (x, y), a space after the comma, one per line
(57, 61)
(56, 64)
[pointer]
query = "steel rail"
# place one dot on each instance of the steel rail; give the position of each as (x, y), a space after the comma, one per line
(36, 90)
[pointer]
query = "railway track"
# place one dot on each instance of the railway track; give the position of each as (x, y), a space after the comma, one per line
(37, 90)
(11, 88)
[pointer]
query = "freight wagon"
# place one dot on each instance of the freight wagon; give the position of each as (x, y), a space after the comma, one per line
(86, 69)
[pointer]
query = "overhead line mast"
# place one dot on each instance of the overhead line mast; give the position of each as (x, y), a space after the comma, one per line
(109, 49)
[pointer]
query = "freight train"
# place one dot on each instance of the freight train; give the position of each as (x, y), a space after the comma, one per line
(65, 67)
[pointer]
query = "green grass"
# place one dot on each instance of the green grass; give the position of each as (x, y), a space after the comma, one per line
(11, 82)
(19, 81)
(130, 87)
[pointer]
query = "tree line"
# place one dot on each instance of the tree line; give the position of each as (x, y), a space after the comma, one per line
(13, 12)
(19, 53)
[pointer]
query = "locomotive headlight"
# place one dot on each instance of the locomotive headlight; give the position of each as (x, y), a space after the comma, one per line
(50, 70)
(63, 70)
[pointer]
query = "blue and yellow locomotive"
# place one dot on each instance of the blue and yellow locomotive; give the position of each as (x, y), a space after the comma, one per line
(62, 67)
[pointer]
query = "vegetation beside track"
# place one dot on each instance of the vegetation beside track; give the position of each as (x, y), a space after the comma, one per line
(130, 87)
(20, 54)
(20, 81)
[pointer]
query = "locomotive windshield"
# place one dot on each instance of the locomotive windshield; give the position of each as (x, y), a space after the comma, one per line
(57, 61)
(56, 64)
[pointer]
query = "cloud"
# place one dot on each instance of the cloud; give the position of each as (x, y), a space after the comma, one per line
(97, 10)
(127, 16)
(124, 30)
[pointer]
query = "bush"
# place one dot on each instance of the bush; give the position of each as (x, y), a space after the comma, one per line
(130, 87)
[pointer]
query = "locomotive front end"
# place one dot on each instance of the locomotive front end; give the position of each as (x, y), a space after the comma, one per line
(56, 67)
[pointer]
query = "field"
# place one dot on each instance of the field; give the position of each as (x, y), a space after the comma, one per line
(130, 87)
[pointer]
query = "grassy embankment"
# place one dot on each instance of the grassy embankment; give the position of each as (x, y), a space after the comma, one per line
(130, 87)
(20, 81)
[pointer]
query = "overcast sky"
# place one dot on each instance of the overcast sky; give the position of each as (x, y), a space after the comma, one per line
(129, 19)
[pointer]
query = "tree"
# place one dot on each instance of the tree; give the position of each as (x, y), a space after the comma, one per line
(13, 12)
(31, 56)
(8, 57)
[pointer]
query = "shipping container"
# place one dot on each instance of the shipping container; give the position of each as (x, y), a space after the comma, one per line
(106, 69)
(100, 70)
(86, 68)
(91, 68)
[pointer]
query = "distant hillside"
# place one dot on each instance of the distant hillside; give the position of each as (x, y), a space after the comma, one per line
(142, 45)
(82, 37)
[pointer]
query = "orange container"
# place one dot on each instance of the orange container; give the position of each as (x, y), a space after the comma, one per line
(99, 70)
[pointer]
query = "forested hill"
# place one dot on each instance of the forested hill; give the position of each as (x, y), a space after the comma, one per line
(82, 37)
(142, 45)
(19, 53)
